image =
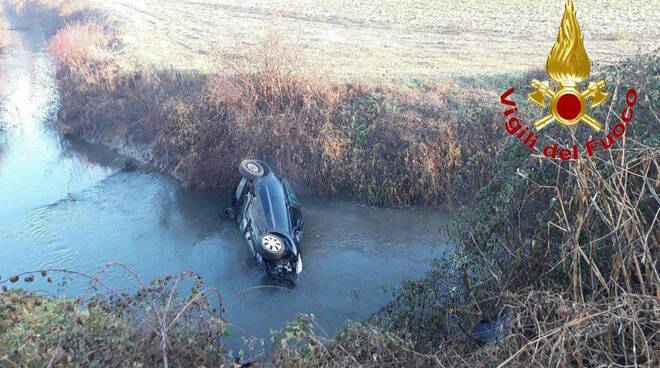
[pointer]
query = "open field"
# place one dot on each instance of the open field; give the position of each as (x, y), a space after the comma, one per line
(384, 39)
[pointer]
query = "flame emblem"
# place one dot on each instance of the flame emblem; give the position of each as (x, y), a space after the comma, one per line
(568, 64)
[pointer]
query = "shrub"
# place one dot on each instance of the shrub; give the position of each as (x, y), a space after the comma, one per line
(155, 326)
(384, 144)
(78, 43)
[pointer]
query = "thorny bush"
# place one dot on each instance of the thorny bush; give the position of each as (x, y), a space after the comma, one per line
(155, 326)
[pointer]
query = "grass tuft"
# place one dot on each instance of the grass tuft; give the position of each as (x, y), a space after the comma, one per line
(79, 42)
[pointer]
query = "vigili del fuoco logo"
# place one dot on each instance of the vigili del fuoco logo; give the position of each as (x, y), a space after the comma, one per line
(568, 64)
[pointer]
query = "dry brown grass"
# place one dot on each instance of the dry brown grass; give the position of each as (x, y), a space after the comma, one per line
(579, 281)
(569, 251)
(79, 43)
(385, 144)
(548, 329)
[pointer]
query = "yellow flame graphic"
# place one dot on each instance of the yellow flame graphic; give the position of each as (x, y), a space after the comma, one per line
(568, 62)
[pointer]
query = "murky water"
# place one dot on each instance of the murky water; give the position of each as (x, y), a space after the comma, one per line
(64, 205)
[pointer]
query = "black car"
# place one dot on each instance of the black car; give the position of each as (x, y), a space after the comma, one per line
(269, 218)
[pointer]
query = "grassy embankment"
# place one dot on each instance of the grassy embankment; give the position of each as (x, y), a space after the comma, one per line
(567, 250)
(386, 145)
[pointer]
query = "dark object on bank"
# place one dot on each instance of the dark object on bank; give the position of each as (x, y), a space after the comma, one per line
(489, 331)
(238, 364)
(269, 218)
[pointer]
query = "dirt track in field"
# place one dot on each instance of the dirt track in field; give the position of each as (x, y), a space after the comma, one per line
(384, 38)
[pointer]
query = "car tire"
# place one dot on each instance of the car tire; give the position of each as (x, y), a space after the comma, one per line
(251, 169)
(271, 247)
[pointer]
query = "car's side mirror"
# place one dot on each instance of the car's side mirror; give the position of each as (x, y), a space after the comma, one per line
(297, 235)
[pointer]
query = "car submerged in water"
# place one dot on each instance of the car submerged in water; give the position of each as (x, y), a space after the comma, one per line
(269, 218)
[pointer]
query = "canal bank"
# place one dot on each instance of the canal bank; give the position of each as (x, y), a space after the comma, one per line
(69, 205)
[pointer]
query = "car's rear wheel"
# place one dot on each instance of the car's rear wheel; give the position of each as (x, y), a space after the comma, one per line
(271, 247)
(251, 169)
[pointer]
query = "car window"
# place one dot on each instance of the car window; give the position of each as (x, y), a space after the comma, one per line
(289, 192)
(256, 214)
(296, 218)
(239, 190)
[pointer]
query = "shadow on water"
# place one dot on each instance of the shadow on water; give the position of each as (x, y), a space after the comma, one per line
(64, 205)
